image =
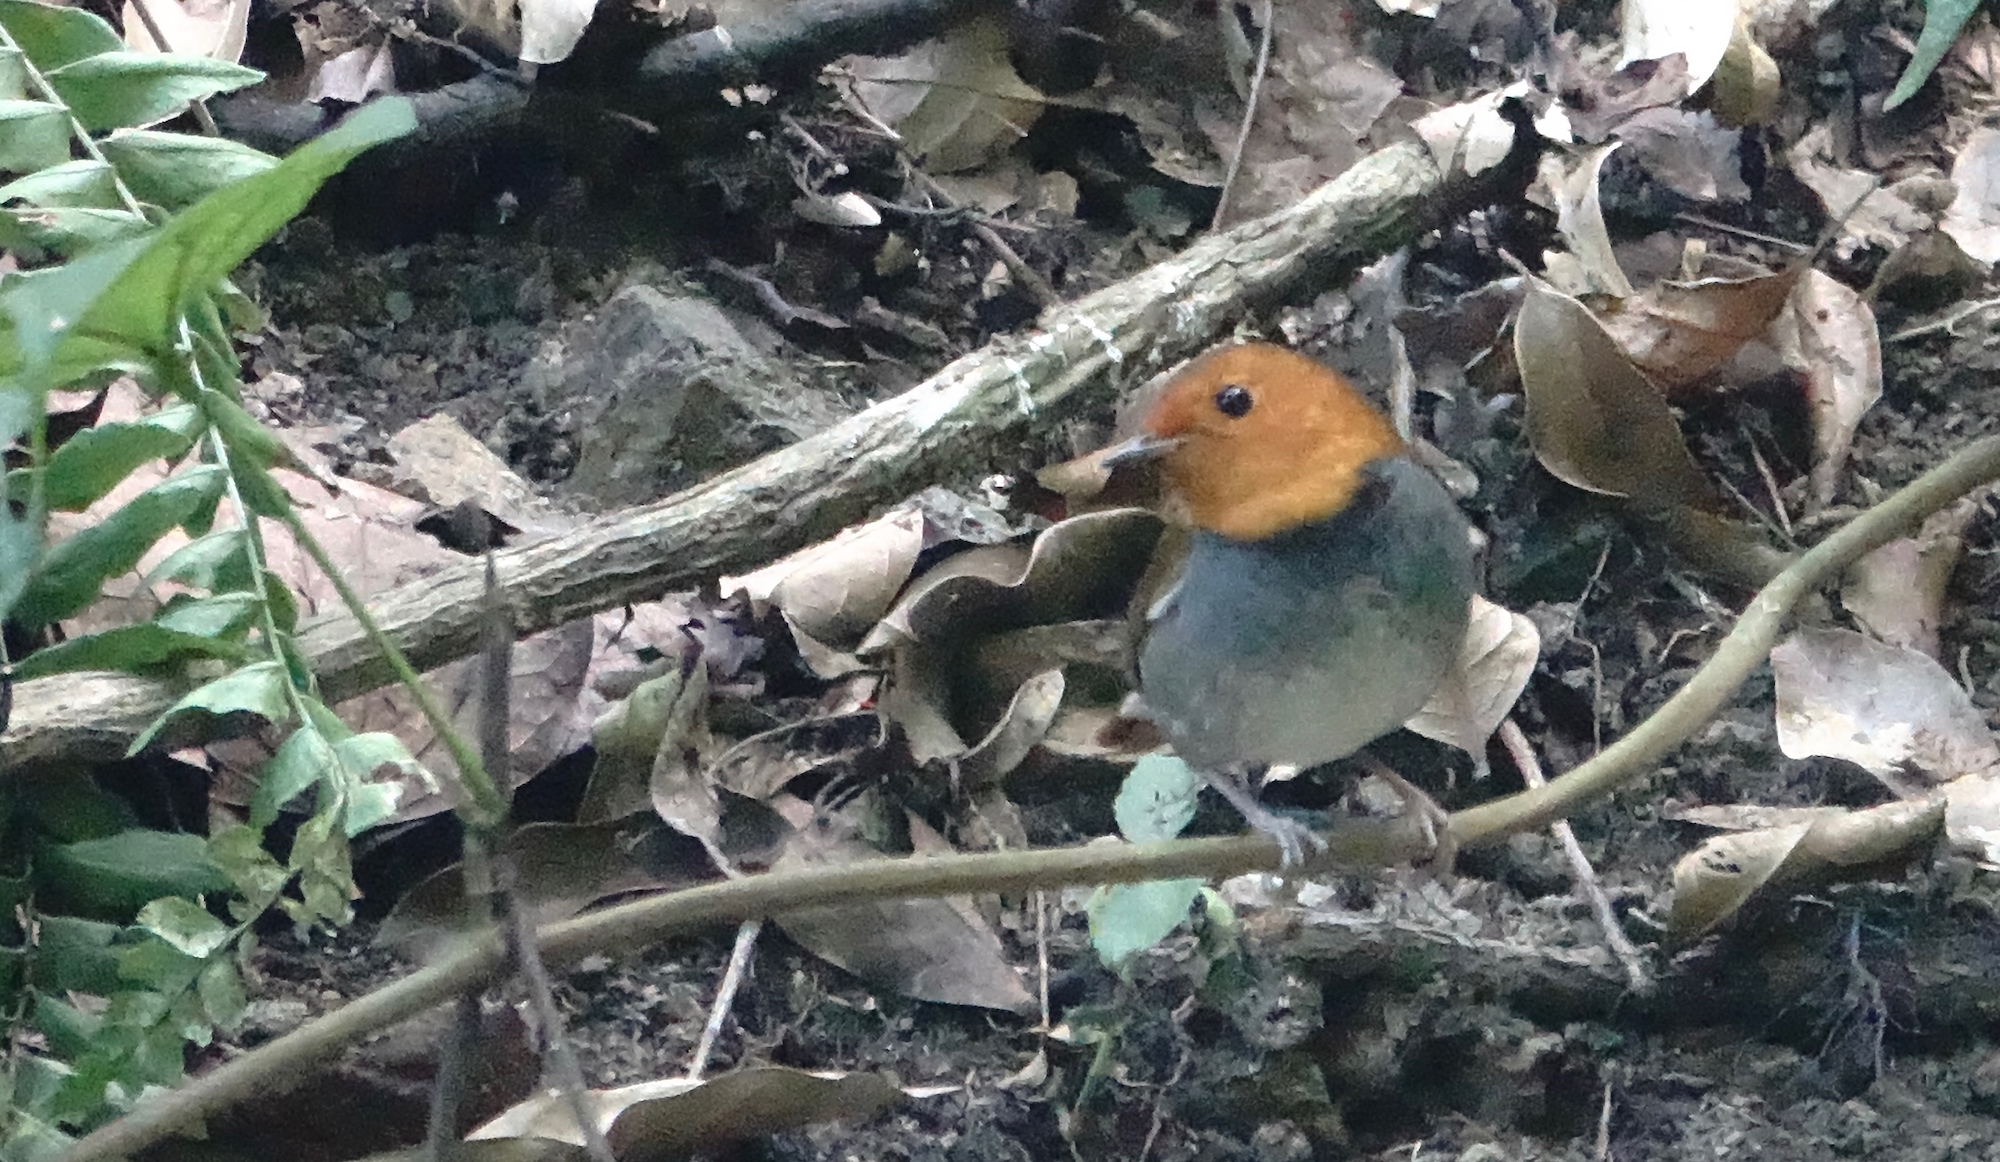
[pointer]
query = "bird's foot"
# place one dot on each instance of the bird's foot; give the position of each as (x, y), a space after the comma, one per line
(1291, 836)
(1433, 820)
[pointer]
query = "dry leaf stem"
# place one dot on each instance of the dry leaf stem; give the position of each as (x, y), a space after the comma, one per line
(290, 1060)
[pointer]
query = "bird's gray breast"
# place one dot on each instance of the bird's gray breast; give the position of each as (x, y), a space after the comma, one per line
(1304, 647)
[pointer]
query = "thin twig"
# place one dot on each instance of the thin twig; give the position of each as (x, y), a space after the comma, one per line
(725, 997)
(197, 106)
(1948, 323)
(1523, 754)
(1249, 115)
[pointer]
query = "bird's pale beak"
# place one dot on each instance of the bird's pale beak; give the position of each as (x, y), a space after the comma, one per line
(1138, 450)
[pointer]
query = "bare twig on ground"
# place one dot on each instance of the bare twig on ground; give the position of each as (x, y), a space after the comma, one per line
(1249, 115)
(725, 997)
(1523, 754)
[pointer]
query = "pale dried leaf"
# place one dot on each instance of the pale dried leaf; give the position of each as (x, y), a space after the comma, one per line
(210, 28)
(436, 460)
(956, 101)
(1494, 665)
(1891, 710)
(1699, 30)
(1679, 333)
(833, 593)
(1973, 219)
(551, 28)
(1716, 880)
(1020, 729)
(1898, 590)
(355, 75)
(675, 1117)
(1580, 220)
(1688, 152)
(1828, 334)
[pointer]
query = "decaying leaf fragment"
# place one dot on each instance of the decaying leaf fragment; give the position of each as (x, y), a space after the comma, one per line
(1716, 880)
(1494, 665)
(1898, 590)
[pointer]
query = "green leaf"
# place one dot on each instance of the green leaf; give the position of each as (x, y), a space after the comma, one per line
(115, 89)
(302, 761)
(93, 461)
(72, 953)
(33, 135)
(239, 851)
(220, 987)
(1157, 799)
(215, 562)
(73, 183)
(184, 924)
(213, 237)
(70, 1030)
(179, 169)
(1943, 20)
(118, 875)
(259, 689)
(131, 649)
(54, 36)
(371, 800)
(1129, 918)
(13, 74)
(221, 616)
(66, 231)
(74, 571)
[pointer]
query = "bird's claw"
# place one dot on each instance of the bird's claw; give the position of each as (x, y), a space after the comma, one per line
(1291, 836)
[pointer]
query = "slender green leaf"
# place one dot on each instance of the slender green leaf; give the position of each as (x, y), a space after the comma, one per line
(258, 689)
(179, 169)
(94, 460)
(54, 36)
(215, 562)
(74, 953)
(116, 89)
(70, 1030)
(73, 572)
(73, 183)
(303, 760)
(213, 237)
(118, 875)
(33, 135)
(71, 230)
(1943, 20)
(133, 649)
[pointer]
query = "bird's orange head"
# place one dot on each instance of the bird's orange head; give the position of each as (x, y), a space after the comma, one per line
(1255, 440)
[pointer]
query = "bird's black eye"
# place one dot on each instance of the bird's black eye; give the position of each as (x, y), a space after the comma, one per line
(1233, 401)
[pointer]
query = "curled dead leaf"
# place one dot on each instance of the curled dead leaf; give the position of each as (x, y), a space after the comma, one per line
(1898, 590)
(1718, 879)
(1494, 665)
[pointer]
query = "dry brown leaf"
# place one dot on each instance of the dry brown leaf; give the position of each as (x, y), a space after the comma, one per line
(210, 28)
(1890, 710)
(1973, 219)
(1594, 419)
(1680, 333)
(1494, 665)
(1580, 221)
(1021, 728)
(355, 75)
(560, 869)
(1688, 152)
(1716, 880)
(956, 100)
(664, 714)
(674, 1118)
(1698, 30)
(1898, 590)
(1827, 333)
(922, 948)
(833, 593)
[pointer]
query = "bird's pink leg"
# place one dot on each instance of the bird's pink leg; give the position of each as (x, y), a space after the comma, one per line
(1433, 819)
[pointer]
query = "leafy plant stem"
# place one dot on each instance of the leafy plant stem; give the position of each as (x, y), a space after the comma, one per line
(47, 93)
(484, 808)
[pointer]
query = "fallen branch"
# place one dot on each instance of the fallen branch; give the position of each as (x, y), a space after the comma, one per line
(287, 1061)
(808, 491)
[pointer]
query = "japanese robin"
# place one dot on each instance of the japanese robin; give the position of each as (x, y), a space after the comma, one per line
(1326, 589)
